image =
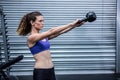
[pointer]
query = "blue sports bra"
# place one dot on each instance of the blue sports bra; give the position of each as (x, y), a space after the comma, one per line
(40, 46)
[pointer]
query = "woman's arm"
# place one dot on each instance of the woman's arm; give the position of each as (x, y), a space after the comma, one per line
(54, 31)
(68, 29)
(61, 32)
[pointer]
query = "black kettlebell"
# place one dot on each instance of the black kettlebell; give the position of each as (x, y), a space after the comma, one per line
(90, 17)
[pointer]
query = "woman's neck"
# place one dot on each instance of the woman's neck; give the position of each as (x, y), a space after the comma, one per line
(34, 31)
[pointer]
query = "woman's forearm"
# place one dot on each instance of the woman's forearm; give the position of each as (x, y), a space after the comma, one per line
(63, 28)
(66, 30)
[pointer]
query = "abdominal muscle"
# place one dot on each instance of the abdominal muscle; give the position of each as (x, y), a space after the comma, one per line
(43, 60)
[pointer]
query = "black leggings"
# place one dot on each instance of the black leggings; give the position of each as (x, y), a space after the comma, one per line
(44, 74)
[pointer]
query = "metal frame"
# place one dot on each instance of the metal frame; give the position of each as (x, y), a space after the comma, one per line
(4, 37)
(5, 45)
(118, 39)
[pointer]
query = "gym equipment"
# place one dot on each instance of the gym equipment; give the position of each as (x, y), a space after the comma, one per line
(8, 64)
(90, 17)
(5, 65)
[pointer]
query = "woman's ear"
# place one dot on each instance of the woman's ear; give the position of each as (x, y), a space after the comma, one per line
(32, 23)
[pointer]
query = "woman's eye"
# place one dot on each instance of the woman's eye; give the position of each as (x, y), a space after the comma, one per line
(41, 20)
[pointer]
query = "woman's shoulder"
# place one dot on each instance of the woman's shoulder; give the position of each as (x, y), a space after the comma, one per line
(31, 40)
(31, 37)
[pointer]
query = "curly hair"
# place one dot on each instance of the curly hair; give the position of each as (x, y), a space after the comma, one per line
(25, 26)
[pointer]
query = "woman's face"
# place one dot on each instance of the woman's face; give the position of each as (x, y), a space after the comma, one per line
(39, 22)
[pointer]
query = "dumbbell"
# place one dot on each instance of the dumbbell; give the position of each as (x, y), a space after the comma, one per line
(90, 17)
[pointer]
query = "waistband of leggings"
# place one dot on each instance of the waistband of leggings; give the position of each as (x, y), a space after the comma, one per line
(43, 68)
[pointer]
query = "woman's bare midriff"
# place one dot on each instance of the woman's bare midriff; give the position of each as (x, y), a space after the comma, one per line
(43, 60)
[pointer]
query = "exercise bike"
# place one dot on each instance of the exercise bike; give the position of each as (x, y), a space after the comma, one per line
(3, 66)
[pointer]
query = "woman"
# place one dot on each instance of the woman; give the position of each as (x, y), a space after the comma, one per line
(38, 43)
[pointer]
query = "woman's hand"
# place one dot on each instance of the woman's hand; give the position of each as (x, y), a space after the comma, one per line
(77, 23)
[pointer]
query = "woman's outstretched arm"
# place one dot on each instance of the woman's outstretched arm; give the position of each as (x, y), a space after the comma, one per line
(76, 23)
(55, 31)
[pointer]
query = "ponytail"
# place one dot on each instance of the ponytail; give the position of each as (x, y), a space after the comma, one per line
(22, 28)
